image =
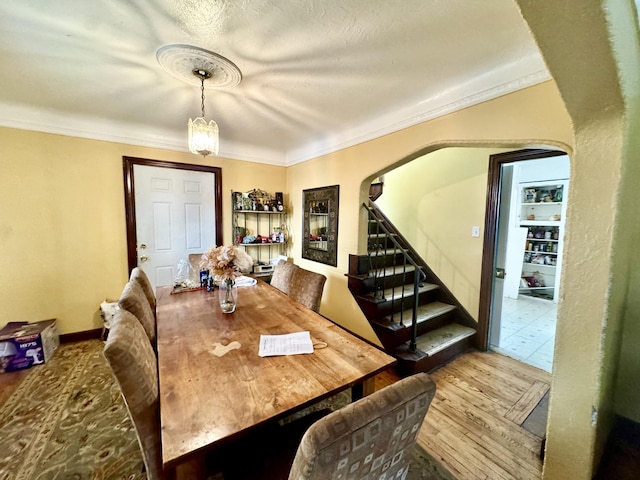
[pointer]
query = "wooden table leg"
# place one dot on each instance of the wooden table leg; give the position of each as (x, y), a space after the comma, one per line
(367, 387)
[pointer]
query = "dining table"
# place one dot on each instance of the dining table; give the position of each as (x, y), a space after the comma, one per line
(214, 387)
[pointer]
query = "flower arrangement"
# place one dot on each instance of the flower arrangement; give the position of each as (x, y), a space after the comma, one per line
(225, 263)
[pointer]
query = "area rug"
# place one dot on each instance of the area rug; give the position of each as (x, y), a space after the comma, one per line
(67, 420)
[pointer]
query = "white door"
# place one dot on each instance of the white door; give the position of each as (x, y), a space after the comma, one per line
(175, 217)
(500, 264)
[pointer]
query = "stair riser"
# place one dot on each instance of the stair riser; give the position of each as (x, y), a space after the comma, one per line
(391, 338)
(388, 308)
(394, 281)
(382, 261)
(379, 243)
(411, 366)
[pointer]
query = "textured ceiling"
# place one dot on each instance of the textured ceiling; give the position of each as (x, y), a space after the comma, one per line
(318, 75)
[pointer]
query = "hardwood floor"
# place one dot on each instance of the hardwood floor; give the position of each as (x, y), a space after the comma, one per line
(473, 426)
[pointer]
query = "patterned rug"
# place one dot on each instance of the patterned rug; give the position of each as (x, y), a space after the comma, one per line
(67, 420)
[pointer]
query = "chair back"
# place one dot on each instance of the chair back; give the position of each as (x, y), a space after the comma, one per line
(134, 301)
(370, 438)
(283, 276)
(138, 276)
(135, 368)
(306, 288)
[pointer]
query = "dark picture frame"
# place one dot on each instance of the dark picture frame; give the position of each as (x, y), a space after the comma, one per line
(325, 201)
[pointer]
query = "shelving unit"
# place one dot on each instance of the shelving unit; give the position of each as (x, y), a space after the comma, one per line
(260, 230)
(542, 213)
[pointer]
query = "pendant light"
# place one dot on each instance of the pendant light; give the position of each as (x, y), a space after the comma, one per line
(203, 136)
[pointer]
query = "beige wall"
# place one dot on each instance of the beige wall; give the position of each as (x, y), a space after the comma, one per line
(434, 201)
(62, 222)
(62, 214)
(591, 49)
(533, 116)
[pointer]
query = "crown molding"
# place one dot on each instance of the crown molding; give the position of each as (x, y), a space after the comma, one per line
(46, 121)
(480, 89)
(443, 104)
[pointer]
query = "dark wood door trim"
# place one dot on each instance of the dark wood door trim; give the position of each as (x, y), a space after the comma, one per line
(490, 224)
(130, 201)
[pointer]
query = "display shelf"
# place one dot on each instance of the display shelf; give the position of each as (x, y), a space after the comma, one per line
(541, 211)
(259, 225)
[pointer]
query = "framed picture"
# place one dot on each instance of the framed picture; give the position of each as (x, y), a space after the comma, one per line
(320, 224)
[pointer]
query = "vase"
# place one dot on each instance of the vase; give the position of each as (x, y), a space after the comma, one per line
(228, 296)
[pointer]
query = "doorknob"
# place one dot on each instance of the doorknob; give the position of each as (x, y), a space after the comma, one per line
(500, 273)
(143, 258)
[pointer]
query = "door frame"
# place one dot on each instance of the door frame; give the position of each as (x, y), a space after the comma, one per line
(130, 198)
(490, 232)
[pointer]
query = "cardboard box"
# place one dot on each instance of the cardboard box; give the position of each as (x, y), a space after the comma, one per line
(24, 344)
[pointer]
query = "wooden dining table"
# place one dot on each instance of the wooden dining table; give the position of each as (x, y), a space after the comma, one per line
(214, 387)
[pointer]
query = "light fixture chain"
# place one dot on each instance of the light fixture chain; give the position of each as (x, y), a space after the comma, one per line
(202, 92)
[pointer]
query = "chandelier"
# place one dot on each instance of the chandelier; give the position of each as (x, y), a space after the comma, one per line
(194, 65)
(203, 136)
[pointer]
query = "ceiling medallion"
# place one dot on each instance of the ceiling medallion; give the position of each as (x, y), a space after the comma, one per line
(181, 60)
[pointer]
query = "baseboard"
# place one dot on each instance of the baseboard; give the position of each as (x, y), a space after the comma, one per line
(80, 336)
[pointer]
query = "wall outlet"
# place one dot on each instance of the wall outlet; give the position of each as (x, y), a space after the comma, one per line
(475, 231)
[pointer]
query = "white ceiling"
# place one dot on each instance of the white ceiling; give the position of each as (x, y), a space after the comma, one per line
(318, 75)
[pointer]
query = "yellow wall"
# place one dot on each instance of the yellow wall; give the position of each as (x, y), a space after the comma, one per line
(62, 222)
(529, 117)
(434, 201)
(591, 49)
(62, 214)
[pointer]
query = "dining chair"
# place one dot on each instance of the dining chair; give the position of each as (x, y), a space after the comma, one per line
(373, 437)
(283, 275)
(134, 301)
(140, 277)
(306, 288)
(134, 366)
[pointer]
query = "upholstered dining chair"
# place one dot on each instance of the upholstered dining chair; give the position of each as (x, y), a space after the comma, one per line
(283, 275)
(306, 288)
(371, 438)
(135, 368)
(134, 301)
(138, 276)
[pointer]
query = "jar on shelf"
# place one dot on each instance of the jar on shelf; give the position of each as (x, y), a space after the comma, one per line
(532, 214)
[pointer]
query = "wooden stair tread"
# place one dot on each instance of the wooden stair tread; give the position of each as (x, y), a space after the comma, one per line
(425, 312)
(436, 340)
(381, 235)
(387, 251)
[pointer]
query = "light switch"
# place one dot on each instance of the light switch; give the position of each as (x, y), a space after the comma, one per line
(475, 231)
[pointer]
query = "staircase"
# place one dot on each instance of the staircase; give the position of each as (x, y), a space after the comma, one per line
(414, 315)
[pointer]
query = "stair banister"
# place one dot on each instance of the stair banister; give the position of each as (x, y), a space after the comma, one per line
(419, 274)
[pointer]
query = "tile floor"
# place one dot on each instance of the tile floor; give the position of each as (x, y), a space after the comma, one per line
(527, 331)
